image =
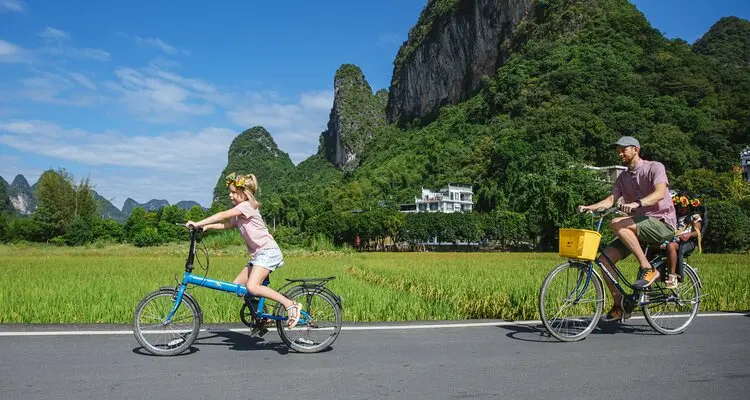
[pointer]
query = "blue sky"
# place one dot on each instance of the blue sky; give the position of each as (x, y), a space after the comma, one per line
(145, 97)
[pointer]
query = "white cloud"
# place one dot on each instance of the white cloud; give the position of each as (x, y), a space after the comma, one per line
(57, 45)
(174, 165)
(54, 34)
(160, 62)
(82, 80)
(157, 95)
(161, 45)
(93, 54)
(12, 53)
(79, 53)
(295, 126)
(70, 89)
(11, 6)
(322, 100)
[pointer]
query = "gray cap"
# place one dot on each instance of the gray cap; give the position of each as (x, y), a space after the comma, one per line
(628, 141)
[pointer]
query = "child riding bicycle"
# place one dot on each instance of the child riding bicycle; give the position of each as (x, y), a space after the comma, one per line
(687, 235)
(266, 255)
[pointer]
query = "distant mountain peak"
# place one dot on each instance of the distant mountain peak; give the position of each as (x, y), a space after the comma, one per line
(728, 40)
(255, 152)
(21, 195)
(20, 181)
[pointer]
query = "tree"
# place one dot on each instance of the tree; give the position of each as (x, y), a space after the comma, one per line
(727, 228)
(109, 230)
(79, 232)
(59, 203)
(170, 224)
(506, 227)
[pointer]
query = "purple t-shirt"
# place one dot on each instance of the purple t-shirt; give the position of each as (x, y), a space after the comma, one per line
(639, 183)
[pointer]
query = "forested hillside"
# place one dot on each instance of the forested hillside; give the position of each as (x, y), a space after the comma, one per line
(516, 98)
(580, 73)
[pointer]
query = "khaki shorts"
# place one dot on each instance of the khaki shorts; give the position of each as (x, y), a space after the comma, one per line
(649, 230)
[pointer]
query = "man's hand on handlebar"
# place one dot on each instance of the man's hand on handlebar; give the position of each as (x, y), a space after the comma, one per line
(600, 210)
(629, 207)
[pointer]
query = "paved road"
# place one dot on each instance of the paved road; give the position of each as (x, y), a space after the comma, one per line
(710, 361)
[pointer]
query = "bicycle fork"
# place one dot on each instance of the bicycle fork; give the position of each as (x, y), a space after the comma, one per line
(177, 298)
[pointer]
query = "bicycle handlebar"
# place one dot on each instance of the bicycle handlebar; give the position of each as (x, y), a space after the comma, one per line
(603, 212)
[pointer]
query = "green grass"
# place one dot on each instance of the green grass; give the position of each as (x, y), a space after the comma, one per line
(44, 284)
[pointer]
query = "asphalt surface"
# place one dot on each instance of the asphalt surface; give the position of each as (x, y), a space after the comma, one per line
(709, 361)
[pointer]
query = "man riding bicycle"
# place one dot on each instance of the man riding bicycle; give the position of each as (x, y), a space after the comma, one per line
(651, 217)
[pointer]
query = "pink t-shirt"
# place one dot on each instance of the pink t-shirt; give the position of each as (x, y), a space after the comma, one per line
(252, 228)
(639, 183)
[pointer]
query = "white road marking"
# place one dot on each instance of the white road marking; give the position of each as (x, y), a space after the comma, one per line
(343, 328)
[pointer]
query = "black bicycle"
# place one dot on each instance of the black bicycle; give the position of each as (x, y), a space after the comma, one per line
(571, 298)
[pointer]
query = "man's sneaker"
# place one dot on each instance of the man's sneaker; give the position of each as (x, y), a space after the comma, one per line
(650, 275)
(616, 314)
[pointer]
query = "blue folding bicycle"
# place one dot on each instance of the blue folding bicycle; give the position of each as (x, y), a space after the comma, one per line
(167, 321)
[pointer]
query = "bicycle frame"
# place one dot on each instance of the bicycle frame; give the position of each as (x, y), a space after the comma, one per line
(215, 284)
(616, 280)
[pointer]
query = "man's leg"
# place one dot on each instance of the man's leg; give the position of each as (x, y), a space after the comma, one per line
(626, 229)
(616, 251)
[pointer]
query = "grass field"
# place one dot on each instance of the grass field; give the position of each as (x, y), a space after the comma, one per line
(103, 285)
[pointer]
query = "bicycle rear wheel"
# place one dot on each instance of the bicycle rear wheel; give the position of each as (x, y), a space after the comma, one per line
(320, 323)
(570, 301)
(172, 338)
(671, 311)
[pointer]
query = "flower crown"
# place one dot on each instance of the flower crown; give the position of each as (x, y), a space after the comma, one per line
(239, 182)
(684, 201)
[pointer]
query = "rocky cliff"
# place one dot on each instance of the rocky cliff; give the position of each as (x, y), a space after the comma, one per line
(107, 209)
(5, 204)
(354, 118)
(453, 44)
(187, 204)
(21, 195)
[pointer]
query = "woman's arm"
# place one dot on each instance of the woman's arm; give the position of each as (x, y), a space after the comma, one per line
(219, 226)
(211, 222)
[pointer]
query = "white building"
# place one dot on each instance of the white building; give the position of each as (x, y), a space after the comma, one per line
(452, 198)
(610, 172)
(745, 162)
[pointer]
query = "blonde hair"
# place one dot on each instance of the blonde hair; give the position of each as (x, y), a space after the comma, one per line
(247, 185)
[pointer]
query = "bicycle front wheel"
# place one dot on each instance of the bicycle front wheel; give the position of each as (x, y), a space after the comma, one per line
(166, 339)
(671, 311)
(571, 301)
(320, 323)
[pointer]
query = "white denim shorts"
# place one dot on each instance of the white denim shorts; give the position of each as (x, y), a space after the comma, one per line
(269, 258)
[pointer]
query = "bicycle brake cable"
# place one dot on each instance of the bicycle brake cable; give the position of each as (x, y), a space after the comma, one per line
(204, 249)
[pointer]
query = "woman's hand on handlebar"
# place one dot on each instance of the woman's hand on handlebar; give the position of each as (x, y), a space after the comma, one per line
(192, 226)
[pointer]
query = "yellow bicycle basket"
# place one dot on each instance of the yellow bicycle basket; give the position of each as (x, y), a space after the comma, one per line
(581, 244)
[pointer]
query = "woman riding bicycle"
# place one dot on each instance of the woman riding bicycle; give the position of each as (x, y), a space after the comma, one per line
(645, 197)
(266, 255)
